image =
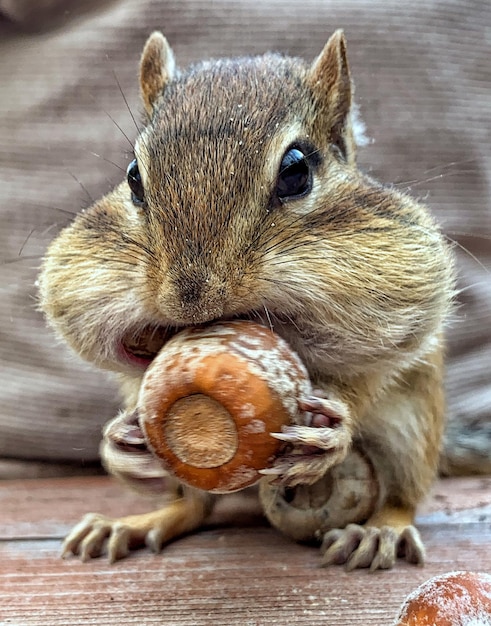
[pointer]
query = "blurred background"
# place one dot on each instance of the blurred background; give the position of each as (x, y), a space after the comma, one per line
(68, 81)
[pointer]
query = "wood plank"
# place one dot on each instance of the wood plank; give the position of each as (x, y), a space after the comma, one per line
(235, 571)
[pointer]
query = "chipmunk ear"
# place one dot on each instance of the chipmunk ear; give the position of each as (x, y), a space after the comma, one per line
(330, 80)
(157, 68)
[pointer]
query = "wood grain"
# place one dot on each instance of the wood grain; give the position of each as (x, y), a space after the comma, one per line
(237, 570)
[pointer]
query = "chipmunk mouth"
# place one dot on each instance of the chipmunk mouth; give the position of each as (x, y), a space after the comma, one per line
(140, 345)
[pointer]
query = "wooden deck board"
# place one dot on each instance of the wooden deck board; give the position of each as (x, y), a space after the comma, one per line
(235, 571)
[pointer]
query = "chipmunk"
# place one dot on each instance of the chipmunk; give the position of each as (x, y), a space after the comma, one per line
(244, 201)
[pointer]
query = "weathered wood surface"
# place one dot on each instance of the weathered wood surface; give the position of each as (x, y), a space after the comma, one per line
(235, 571)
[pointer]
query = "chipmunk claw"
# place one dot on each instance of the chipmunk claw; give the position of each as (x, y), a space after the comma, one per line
(320, 410)
(371, 547)
(89, 537)
(313, 451)
(324, 439)
(155, 540)
(315, 446)
(410, 546)
(297, 469)
(97, 534)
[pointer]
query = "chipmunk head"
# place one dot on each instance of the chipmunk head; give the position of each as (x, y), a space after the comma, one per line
(244, 200)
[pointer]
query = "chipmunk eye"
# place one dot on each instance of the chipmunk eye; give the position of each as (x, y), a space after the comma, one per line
(135, 183)
(294, 178)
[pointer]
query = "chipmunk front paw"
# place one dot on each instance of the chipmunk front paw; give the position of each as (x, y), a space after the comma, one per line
(315, 447)
(125, 454)
(369, 546)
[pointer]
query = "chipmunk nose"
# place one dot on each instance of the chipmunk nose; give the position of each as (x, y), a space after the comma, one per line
(197, 297)
(190, 289)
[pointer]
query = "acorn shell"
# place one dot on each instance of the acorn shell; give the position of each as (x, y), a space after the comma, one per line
(348, 493)
(448, 600)
(211, 398)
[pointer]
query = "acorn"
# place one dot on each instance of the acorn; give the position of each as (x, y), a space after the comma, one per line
(211, 398)
(348, 493)
(448, 600)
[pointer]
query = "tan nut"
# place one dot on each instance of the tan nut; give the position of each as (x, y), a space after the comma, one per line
(347, 494)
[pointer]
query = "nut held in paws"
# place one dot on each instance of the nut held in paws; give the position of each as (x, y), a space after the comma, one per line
(211, 398)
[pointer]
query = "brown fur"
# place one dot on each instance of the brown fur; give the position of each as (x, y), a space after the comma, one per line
(355, 275)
